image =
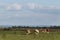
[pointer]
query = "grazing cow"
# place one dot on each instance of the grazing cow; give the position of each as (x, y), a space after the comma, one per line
(45, 30)
(36, 31)
(28, 31)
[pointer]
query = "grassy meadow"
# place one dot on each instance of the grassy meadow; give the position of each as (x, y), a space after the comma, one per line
(21, 35)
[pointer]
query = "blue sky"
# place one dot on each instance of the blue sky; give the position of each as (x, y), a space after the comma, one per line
(30, 12)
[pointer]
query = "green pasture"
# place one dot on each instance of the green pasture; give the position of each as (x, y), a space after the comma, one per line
(21, 35)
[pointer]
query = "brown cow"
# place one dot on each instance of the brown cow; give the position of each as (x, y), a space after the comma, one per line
(45, 30)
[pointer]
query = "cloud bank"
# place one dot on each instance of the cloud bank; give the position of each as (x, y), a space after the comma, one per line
(31, 6)
(29, 14)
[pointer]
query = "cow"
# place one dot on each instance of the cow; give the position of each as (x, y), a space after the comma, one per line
(28, 31)
(45, 30)
(35, 30)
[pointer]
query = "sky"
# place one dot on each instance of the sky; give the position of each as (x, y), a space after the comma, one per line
(30, 12)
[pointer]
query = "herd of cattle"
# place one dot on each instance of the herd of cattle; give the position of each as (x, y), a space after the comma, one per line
(36, 31)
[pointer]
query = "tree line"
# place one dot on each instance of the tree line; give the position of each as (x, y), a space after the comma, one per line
(26, 27)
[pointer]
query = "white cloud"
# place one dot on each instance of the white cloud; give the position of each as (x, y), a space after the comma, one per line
(8, 8)
(33, 5)
(52, 7)
(18, 6)
(14, 6)
(39, 6)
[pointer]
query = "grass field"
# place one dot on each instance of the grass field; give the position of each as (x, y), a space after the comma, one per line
(20, 35)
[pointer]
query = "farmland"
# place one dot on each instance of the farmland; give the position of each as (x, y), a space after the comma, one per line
(21, 35)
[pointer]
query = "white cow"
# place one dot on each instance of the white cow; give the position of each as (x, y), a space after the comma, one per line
(36, 31)
(28, 31)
